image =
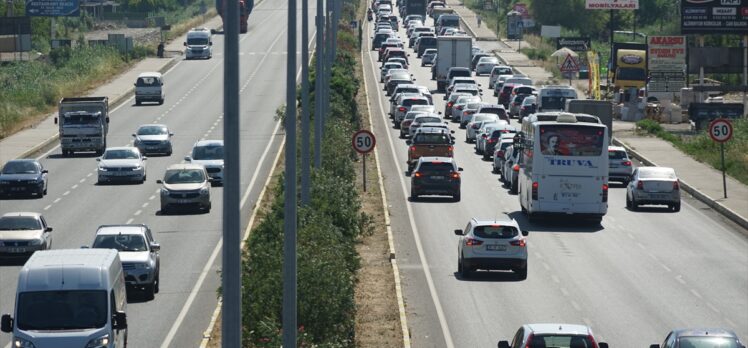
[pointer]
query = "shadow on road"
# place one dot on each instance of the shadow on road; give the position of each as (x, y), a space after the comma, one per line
(489, 276)
(556, 223)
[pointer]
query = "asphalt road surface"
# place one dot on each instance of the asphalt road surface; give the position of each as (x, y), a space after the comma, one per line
(632, 279)
(190, 243)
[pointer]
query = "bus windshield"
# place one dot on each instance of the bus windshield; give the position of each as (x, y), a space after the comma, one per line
(571, 140)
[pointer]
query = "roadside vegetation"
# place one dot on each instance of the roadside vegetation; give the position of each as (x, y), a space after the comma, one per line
(329, 229)
(702, 148)
(31, 89)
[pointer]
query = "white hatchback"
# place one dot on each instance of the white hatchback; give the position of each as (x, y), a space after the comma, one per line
(492, 245)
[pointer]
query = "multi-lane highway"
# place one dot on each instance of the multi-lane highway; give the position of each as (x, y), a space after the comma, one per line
(632, 279)
(190, 243)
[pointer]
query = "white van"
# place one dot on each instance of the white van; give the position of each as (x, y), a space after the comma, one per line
(199, 44)
(553, 98)
(70, 298)
(149, 87)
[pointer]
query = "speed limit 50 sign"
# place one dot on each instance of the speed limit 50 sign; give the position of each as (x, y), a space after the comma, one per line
(720, 130)
(363, 141)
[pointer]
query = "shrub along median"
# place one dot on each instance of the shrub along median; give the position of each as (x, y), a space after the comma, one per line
(328, 230)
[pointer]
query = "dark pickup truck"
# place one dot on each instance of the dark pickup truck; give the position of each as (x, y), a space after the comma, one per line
(431, 142)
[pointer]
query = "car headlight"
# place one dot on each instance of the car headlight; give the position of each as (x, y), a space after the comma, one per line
(35, 242)
(164, 192)
(102, 169)
(99, 342)
(204, 191)
(137, 167)
(22, 343)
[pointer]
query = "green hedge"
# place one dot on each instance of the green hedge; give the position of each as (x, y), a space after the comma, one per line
(327, 233)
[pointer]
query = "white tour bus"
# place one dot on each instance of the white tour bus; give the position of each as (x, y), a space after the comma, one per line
(563, 165)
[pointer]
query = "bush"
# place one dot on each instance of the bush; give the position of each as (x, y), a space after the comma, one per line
(327, 232)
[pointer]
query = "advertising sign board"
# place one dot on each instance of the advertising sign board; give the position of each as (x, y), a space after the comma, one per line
(714, 17)
(667, 53)
(52, 8)
(612, 4)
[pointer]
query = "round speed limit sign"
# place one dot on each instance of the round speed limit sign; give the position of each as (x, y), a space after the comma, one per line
(720, 130)
(363, 141)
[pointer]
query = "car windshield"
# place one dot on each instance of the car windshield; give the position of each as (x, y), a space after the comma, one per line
(497, 232)
(184, 176)
(554, 102)
(467, 91)
(152, 130)
(707, 342)
(197, 41)
(436, 167)
(62, 310)
(495, 111)
(410, 102)
(81, 119)
(427, 119)
(489, 60)
(479, 118)
(432, 138)
(16, 223)
(20, 167)
(121, 242)
(562, 341)
(656, 173)
(208, 152)
(147, 81)
(413, 115)
(120, 154)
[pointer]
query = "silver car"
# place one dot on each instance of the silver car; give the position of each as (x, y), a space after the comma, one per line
(420, 120)
(121, 164)
(471, 129)
(153, 138)
(485, 65)
(405, 124)
(467, 113)
(209, 153)
(405, 105)
(23, 233)
(492, 244)
(620, 167)
(653, 185)
(510, 172)
(386, 68)
(428, 57)
(498, 153)
(185, 185)
(138, 252)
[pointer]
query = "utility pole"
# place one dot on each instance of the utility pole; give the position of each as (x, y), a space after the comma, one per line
(231, 330)
(328, 63)
(305, 166)
(320, 48)
(610, 59)
(289, 212)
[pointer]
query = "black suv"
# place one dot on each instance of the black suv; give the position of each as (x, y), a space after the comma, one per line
(435, 176)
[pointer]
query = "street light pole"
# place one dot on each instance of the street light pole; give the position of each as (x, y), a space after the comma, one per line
(320, 48)
(305, 167)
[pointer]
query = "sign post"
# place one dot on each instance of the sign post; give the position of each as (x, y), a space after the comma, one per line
(720, 130)
(363, 142)
(569, 66)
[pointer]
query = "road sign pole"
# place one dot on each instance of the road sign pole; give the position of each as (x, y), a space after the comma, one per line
(724, 178)
(289, 212)
(305, 167)
(364, 173)
(231, 329)
(320, 48)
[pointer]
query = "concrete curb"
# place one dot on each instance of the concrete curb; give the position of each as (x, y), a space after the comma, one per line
(112, 104)
(719, 207)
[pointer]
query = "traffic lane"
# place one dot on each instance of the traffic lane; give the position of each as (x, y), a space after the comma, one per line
(466, 179)
(113, 219)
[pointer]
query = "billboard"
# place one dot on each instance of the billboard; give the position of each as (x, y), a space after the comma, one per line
(612, 4)
(715, 60)
(666, 53)
(576, 44)
(714, 17)
(52, 8)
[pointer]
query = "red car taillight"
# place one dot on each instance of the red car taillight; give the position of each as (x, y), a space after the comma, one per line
(520, 243)
(640, 185)
(417, 174)
(450, 149)
(492, 140)
(605, 193)
(472, 242)
(676, 185)
(626, 163)
(515, 167)
(401, 109)
(455, 175)
(535, 191)
(449, 105)
(412, 148)
(529, 341)
(476, 126)
(459, 107)
(500, 153)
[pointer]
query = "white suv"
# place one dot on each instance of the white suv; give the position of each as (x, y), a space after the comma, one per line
(554, 335)
(492, 244)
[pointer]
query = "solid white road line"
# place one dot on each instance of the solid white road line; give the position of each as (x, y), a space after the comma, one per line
(414, 229)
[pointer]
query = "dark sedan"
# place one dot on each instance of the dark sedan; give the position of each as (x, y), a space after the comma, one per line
(23, 177)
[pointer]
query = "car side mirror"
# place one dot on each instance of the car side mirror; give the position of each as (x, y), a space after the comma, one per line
(184, 44)
(602, 345)
(159, 181)
(120, 321)
(107, 119)
(155, 246)
(85, 247)
(98, 159)
(459, 169)
(210, 43)
(458, 232)
(453, 142)
(525, 233)
(439, 112)
(145, 158)
(188, 158)
(55, 120)
(504, 344)
(135, 84)
(48, 229)
(654, 346)
(409, 142)
(171, 134)
(44, 171)
(133, 135)
(7, 323)
(451, 131)
(210, 179)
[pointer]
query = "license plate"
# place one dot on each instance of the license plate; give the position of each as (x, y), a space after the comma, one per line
(151, 147)
(16, 189)
(183, 201)
(496, 247)
(17, 250)
(437, 177)
(657, 195)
